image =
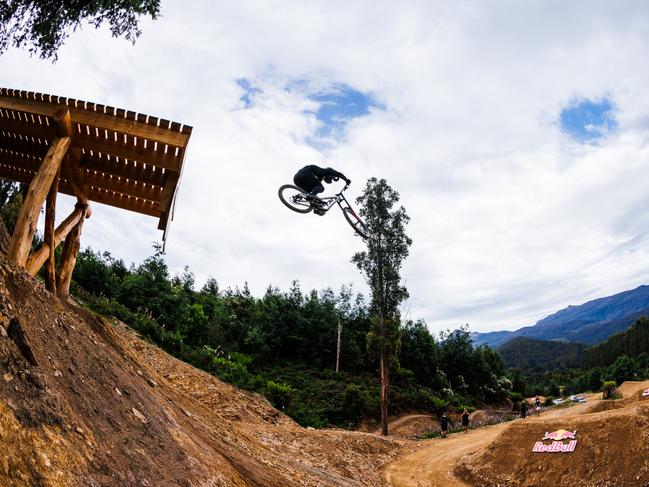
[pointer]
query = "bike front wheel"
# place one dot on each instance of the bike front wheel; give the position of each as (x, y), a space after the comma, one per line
(294, 198)
(355, 222)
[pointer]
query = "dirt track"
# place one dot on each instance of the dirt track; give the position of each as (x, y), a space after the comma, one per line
(432, 464)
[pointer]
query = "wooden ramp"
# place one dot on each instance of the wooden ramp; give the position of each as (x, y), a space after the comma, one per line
(94, 152)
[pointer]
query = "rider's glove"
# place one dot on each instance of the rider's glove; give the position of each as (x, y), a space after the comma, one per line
(348, 181)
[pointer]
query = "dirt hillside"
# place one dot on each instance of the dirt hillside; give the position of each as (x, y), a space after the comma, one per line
(85, 403)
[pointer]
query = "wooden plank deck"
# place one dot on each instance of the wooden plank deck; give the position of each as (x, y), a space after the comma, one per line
(125, 159)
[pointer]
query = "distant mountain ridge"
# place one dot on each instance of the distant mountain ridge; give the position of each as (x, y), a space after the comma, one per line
(588, 323)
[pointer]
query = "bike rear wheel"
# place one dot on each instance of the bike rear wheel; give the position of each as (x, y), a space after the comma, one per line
(355, 222)
(294, 198)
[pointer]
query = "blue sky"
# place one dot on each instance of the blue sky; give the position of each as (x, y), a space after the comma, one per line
(587, 121)
(335, 106)
(516, 134)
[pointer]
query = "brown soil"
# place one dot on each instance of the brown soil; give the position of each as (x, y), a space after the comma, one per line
(409, 426)
(85, 403)
(633, 388)
(612, 450)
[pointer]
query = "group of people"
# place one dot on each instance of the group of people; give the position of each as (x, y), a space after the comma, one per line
(537, 407)
(444, 423)
(465, 417)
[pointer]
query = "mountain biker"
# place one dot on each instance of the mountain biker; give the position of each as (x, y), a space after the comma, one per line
(309, 178)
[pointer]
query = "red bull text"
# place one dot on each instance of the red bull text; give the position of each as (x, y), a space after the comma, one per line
(554, 447)
(557, 445)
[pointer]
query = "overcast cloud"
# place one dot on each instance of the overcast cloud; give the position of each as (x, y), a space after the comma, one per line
(513, 215)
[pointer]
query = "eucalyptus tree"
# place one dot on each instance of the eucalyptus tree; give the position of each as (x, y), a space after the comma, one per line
(386, 249)
(43, 25)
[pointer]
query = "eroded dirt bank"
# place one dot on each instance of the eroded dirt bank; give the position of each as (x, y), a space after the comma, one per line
(85, 403)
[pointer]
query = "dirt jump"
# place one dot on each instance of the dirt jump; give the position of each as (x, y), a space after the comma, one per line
(612, 450)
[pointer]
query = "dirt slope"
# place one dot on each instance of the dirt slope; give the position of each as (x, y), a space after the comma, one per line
(632, 388)
(84, 404)
(408, 426)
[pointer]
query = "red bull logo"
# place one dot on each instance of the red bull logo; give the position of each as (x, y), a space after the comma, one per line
(560, 435)
(557, 445)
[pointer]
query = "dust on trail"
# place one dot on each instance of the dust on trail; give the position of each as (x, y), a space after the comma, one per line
(431, 465)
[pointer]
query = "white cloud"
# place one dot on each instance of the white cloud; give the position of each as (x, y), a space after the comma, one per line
(510, 218)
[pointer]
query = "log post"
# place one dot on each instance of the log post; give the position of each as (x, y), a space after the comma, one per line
(69, 258)
(50, 213)
(38, 257)
(75, 175)
(21, 240)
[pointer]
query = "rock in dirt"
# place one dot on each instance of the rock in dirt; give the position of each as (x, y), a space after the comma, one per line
(8, 377)
(139, 416)
(17, 334)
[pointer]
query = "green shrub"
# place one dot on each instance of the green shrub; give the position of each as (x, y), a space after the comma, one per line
(279, 394)
(515, 396)
(354, 405)
(608, 389)
(439, 405)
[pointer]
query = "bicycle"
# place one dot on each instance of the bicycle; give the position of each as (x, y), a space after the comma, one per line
(302, 202)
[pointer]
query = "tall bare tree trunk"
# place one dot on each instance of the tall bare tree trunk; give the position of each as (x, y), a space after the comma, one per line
(340, 329)
(385, 391)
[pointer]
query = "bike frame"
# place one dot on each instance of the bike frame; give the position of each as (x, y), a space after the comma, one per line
(339, 198)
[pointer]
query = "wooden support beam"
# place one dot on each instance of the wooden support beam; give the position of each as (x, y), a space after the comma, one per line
(38, 258)
(76, 175)
(50, 213)
(21, 240)
(69, 260)
(63, 122)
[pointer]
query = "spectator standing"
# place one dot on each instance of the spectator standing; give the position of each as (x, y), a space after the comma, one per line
(465, 421)
(443, 423)
(523, 409)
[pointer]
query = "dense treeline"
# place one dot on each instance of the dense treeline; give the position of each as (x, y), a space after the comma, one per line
(283, 344)
(533, 355)
(633, 342)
